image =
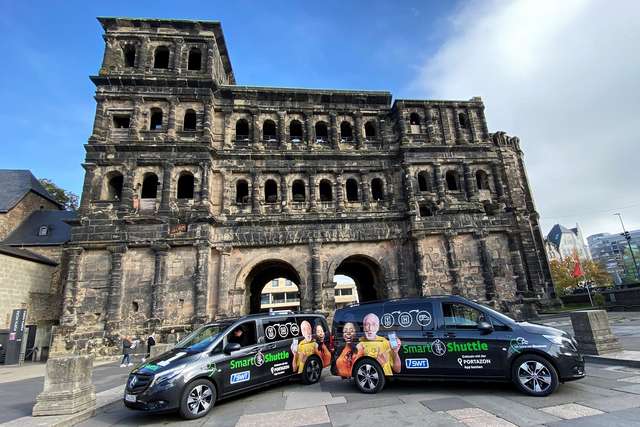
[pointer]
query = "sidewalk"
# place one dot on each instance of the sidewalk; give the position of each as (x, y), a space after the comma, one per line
(30, 370)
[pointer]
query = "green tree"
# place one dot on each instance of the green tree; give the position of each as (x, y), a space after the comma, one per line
(562, 274)
(66, 198)
(627, 259)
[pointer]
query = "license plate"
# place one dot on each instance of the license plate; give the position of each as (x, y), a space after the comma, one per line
(129, 397)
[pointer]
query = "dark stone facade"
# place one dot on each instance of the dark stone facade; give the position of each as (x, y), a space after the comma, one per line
(198, 191)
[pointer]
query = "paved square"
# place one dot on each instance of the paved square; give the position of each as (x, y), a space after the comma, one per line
(571, 410)
(446, 404)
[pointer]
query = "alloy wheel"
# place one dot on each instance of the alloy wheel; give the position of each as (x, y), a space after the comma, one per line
(199, 399)
(313, 370)
(534, 376)
(367, 377)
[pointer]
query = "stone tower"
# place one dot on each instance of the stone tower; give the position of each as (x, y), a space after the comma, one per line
(198, 192)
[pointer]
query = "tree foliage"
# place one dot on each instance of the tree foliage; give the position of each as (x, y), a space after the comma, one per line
(562, 274)
(66, 198)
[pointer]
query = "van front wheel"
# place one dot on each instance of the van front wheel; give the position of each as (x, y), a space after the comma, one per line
(534, 375)
(198, 398)
(368, 376)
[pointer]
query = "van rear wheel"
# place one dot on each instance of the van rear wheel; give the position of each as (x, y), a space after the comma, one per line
(368, 376)
(312, 370)
(534, 375)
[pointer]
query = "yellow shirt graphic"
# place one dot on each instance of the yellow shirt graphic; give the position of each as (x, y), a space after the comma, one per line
(376, 347)
(307, 348)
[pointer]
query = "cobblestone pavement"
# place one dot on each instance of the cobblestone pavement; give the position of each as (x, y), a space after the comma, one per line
(608, 396)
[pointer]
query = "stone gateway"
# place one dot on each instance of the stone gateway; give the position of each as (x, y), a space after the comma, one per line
(198, 191)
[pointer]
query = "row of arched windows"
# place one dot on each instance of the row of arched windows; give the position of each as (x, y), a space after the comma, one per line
(149, 189)
(452, 180)
(156, 120)
(161, 56)
(299, 193)
(416, 120)
(296, 131)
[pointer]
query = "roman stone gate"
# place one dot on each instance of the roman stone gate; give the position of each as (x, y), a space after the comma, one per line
(198, 191)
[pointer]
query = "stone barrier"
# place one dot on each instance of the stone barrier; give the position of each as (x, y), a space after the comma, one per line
(593, 333)
(67, 387)
(160, 348)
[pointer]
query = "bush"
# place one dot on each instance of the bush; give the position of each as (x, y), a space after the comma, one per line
(598, 299)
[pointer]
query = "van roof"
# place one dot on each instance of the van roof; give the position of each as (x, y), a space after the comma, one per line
(405, 299)
(233, 319)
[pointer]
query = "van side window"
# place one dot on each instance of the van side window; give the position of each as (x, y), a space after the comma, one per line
(461, 316)
(281, 328)
(407, 320)
(243, 334)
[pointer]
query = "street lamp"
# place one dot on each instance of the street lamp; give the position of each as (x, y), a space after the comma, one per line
(627, 237)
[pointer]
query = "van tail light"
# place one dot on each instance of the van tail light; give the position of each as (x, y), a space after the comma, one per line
(331, 343)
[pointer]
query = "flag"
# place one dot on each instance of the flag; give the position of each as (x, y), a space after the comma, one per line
(577, 269)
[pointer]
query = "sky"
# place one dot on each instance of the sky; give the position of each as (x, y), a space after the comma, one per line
(562, 76)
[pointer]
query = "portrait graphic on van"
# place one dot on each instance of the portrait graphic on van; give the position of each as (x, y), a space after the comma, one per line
(346, 354)
(310, 345)
(377, 347)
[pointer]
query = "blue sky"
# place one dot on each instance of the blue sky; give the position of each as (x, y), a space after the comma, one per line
(545, 70)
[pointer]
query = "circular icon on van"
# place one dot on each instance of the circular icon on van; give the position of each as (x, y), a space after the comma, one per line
(423, 318)
(258, 359)
(387, 320)
(270, 332)
(295, 330)
(405, 319)
(438, 348)
(283, 330)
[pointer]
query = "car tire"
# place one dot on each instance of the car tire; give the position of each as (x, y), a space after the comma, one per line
(198, 397)
(534, 375)
(368, 376)
(312, 370)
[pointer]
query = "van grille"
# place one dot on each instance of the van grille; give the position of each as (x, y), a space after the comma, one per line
(137, 383)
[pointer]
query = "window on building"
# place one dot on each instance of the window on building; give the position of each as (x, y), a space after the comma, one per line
(43, 231)
(129, 52)
(274, 283)
(297, 191)
(464, 121)
(326, 191)
(425, 211)
(452, 180)
(149, 186)
(482, 180)
(288, 282)
(185, 186)
(370, 130)
(295, 130)
(161, 57)
(322, 132)
(352, 190)
(195, 59)
(114, 186)
(414, 119)
(269, 130)
(242, 191)
(156, 119)
(121, 121)
(242, 130)
(135, 306)
(270, 191)
(189, 123)
(278, 297)
(423, 181)
(346, 131)
(265, 299)
(377, 189)
(292, 297)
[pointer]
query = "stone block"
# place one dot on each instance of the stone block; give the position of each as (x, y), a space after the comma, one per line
(158, 349)
(68, 388)
(593, 332)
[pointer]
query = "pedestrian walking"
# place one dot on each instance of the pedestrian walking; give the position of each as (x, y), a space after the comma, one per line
(126, 351)
(151, 341)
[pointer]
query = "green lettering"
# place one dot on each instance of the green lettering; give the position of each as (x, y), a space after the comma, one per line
(484, 346)
(450, 347)
(474, 345)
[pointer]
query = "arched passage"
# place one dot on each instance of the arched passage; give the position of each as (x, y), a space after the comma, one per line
(367, 275)
(263, 274)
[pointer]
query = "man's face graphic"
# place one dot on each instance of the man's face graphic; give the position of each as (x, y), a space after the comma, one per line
(348, 332)
(371, 326)
(306, 330)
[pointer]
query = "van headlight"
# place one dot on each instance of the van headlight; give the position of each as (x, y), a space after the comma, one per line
(166, 376)
(561, 341)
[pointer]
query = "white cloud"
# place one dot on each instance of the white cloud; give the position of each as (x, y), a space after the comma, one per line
(564, 76)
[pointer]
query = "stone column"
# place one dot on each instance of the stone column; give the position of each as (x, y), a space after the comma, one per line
(284, 192)
(438, 179)
(134, 126)
(452, 262)
(255, 194)
(516, 263)
(497, 181)
(282, 130)
(358, 130)
(208, 121)
(210, 60)
(223, 303)
(487, 268)
(159, 283)
(469, 183)
(126, 204)
(204, 183)
(402, 290)
(143, 61)
(316, 278)
(255, 127)
(410, 189)
(444, 124)
(87, 188)
(457, 128)
(201, 282)
(227, 132)
(402, 122)
(165, 207)
(365, 190)
(483, 123)
(389, 195)
(310, 131)
(114, 296)
(429, 124)
(593, 332)
(100, 122)
(335, 142)
(313, 202)
(382, 132)
(472, 127)
(171, 123)
(421, 274)
(69, 301)
(339, 193)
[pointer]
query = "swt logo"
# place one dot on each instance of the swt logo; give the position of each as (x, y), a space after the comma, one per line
(240, 377)
(416, 363)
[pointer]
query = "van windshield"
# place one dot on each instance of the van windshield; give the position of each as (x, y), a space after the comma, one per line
(503, 318)
(201, 338)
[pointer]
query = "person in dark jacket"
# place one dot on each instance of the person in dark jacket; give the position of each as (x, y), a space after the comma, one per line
(126, 352)
(151, 341)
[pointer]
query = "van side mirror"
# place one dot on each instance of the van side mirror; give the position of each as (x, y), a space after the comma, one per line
(485, 327)
(231, 347)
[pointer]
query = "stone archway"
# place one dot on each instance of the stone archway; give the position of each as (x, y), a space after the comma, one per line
(261, 274)
(368, 275)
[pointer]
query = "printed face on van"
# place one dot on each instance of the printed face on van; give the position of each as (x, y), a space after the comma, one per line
(305, 326)
(371, 325)
(348, 332)
(320, 332)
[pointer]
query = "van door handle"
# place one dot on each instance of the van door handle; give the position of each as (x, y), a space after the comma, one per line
(270, 346)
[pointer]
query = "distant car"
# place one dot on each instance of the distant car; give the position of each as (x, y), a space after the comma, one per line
(216, 361)
(449, 337)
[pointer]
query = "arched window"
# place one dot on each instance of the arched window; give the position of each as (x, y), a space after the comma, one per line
(135, 306)
(156, 119)
(326, 193)
(414, 119)
(464, 122)
(297, 191)
(452, 180)
(295, 130)
(322, 132)
(425, 211)
(129, 52)
(242, 191)
(195, 59)
(270, 191)
(370, 130)
(189, 123)
(377, 189)
(161, 57)
(242, 130)
(185, 186)
(423, 181)
(114, 186)
(149, 186)
(269, 131)
(482, 180)
(352, 190)
(346, 131)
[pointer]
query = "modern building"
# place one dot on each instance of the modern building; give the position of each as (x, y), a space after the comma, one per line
(610, 249)
(199, 191)
(568, 242)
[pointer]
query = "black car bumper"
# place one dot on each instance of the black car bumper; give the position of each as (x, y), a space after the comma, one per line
(152, 400)
(570, 367)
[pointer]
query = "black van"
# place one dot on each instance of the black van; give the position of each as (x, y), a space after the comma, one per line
(449, 337)
(228, 357)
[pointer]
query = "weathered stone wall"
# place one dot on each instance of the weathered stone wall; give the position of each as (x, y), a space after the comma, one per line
(9, 221)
